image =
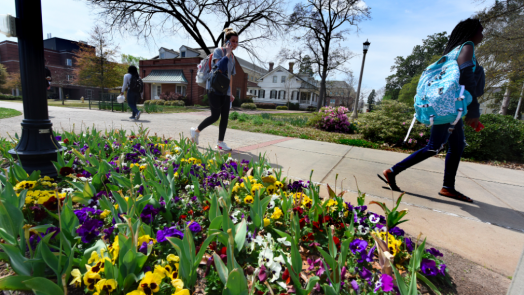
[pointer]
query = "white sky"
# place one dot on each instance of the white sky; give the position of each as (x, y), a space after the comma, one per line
(395, 28)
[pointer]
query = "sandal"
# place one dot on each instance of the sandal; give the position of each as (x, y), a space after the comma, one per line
(390, 182)
(457, 196)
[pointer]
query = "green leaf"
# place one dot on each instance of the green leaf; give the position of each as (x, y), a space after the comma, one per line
(428, 283)
(296, 259)
(129, 281)
(11, 218)
(330, 260)
(14, 283)
(221, 268)
(43, 286)
(216, 223)
(240, 235)
(89, 190)
(17, 260)
(50, 259)
(236, 282)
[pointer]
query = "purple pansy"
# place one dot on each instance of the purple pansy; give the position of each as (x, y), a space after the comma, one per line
(367, 256)
(89, 230)
(149, 213)
(409, 244)
(429, 267)
(397, 231)
(86, 213)
(358, 246)
(434, 252)
(161, 235)
(365, 274)
(194, 227)
(385, 283)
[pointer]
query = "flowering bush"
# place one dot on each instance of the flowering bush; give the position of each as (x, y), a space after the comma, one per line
(333, 119)
(171, 96)
(136, 214)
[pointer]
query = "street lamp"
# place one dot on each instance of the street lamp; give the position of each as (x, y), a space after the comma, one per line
(355, 111)
(37, 146)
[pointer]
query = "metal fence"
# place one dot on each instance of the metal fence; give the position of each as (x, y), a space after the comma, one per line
(107, 101)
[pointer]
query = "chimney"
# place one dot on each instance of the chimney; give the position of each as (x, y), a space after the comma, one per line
(291, 65)
(271, 64)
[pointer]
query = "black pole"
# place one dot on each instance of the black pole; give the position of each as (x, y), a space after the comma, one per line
(37, 146)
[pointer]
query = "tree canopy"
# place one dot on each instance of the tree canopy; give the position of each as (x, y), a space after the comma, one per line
(129, 59)
(3, 76)
(371, 100)
(414, 64)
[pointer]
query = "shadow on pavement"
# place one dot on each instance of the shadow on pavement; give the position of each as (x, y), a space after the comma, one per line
(481, 210)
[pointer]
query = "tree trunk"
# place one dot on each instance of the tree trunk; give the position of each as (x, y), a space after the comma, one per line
(520, 102)
(322, 87)
(505, 102)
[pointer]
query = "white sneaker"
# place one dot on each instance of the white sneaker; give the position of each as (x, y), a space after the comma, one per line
(223, 146)
(194, 135)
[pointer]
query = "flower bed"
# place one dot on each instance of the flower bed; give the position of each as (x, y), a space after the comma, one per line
(136, 214)
(333, 119)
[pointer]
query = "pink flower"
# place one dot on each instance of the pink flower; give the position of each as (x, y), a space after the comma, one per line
(403, 123)
(410, 140)
(421, 134)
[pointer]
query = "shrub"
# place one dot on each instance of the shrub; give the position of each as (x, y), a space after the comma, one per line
(311, 109)
(205, 100)
(333, 119)
(502, 139)
(171, 96)
(177, 103)
(236, 102)
(249, 106)
(282, 108)
(160, 102)
(257, 120)
(243, 117)
(233, 116)
(389, 123)
(147, 102)
(10, 97)
(263, 105)
(249, 100)
(293, 106)
(358, 142)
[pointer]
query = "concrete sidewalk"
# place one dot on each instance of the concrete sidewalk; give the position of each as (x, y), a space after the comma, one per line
(489, 232)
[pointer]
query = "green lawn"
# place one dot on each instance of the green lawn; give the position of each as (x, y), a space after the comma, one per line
(287, 124)
(67, 103)
(8, 113)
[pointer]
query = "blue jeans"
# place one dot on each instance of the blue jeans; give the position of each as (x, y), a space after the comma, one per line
(132, 99)
(438, 138)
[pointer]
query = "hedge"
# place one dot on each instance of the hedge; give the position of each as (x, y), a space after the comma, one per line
(10, 97)
(282, 108)
(249, 106)
(263, 105)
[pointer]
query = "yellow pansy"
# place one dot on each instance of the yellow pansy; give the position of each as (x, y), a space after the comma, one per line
(269, 179)
(77, 278)
(182, 292)
(106, 285)
(94, 258)
(90, 280)
(332, 202)
(178, 284)
(136, 292)
(255, 187)
(116, 206)
(150, 283)
(277, 213)
(146, 239)
(25, 185)
(271, 189)
(160, 270)
(104, 214)
(173, 258)
(279, 184)
(267, 221)
(248, 199)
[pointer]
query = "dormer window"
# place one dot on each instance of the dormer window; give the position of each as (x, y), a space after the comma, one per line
(162, 55)
(182, 54)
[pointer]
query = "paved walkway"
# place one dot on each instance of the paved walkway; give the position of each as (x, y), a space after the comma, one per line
(489, 232)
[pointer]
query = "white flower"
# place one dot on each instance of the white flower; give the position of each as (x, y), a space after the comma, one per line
(82, 178)
(280, 260)
(374, 218)
(362, 230)
(137, 186)
(259, 240)
(282, 284)
(274, 268)
(249, 243)
(275, 197)
(229, 160)
(68, 190)
(284, 241)
(265, 256)
(271, 204)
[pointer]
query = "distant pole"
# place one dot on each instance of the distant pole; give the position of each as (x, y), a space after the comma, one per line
(355, 109)
(520, 103)
(37, 146)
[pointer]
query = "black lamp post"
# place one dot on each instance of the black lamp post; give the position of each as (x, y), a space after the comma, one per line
(355, 109)
(37, 146)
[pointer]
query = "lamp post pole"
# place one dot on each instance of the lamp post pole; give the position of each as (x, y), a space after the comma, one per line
(37, 146)
(355, 108)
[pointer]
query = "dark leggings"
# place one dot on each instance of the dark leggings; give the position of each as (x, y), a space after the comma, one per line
(438, 138)
(132, 99)
(219, 109)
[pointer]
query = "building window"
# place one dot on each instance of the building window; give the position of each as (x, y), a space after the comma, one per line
(183, 54)
(238, 93)
(261, 93)
(70, 77)
(283, 79)
(181, 89)
(273, 94)
(69, 62)
(275, 79)
(158, 90)
(89, 93)
(281, 94)
(332, 102)
(161, 55)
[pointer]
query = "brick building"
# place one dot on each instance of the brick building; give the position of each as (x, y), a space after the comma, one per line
(174, 71)
(60, 58)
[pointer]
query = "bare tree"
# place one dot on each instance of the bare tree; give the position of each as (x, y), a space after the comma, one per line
(321, 24)
(200, 19)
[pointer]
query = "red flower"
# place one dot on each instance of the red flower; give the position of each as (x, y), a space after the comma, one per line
(286, 277)
(206, 208)
(66, 141)
(79, 175)
(298, 210)
(213, 246)
(327, 219)
(309, 237)
(66, 171)
(223, 251)
(183, 216)
(190, 212)
(337, 242)
(302, 222)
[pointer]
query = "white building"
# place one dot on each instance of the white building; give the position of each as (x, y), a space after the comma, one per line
(281, 85)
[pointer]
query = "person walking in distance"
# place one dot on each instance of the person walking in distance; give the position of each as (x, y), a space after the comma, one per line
(48, 77)
(135, 87)
(473, 81)
(220, 104)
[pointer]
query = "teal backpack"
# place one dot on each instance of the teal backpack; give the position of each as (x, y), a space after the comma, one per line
(440, 99)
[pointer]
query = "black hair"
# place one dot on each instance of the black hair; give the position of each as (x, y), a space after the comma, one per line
(132, 70)
(462, 33)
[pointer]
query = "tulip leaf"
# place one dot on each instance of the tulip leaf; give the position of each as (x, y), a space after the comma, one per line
(17, 260)
(50, 259)
(330, 260)
(14, 283)
(129, 281)
(236, 282)
(221, 268)
(216, 223)
(89, 190)
(240, 235)
(43, 286)
(428, 283)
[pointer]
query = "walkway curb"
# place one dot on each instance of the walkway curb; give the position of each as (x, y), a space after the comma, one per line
(517, 282)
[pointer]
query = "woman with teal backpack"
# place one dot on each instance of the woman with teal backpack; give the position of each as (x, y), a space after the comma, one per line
(472, 78)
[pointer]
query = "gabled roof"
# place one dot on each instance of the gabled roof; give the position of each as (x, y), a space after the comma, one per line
(165, 76)
(170, 50)
(281, 68)
(337, 84)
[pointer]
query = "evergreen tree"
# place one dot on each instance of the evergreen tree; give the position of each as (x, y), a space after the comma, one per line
(371, 100)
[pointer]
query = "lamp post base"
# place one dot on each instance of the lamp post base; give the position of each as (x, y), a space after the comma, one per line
(37, 147)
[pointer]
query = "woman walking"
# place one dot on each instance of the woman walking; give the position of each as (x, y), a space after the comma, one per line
(133, 84)
(467, 30)
(220, 104)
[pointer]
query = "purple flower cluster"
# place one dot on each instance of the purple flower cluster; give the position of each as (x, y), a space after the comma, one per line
(90, 230)
(161, 235)
(85, 214)
(334, 119)
(429, 268)
(297, 186)
(149, 213)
